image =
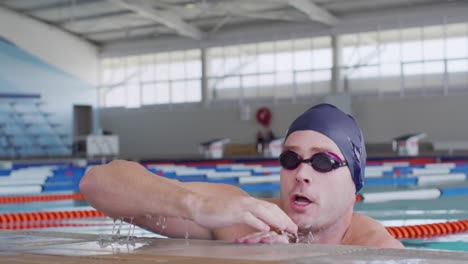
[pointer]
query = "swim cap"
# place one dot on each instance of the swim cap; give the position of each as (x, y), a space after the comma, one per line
(342, 129)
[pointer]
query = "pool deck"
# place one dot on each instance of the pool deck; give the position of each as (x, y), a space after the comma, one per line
(50, 247)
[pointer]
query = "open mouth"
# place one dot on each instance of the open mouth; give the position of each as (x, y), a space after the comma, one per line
(301, 200)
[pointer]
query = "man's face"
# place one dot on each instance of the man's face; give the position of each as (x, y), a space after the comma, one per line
(311, 198)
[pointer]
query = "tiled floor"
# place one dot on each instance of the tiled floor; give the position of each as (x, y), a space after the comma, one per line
(50, 248)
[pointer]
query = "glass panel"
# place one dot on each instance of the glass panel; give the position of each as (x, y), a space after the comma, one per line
(266, 80)
(433, 67)
(413, 68)
(148, 94)
(433, 49)
(412, 51)
(322, 58)
(303, 60)
(232, 82)
(231, 66)
(216, 67)
(412, 46)
(457, 47)
(162, 71)
(266, 57)
(390, 69)
(178, 92)
(115, 97)
(248, 58)
(133, 95)
(284, 61)
(390, 52)
(162, 93)
(249, 81)
(147, 72)
(193, 69)
(177, 70)
(304, 77)
(458, 66)
(266, 62)
(324, 75)
(193, 91)
(284, 78)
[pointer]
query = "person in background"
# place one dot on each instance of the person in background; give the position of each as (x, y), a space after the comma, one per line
(260, 142)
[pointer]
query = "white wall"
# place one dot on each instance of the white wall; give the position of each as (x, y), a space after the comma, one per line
(443, 118)
(63, 50)
(151, 132)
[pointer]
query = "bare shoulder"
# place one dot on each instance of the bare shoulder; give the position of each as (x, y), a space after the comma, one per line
(365, 231)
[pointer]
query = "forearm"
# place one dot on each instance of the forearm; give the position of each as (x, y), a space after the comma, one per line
(127, 189)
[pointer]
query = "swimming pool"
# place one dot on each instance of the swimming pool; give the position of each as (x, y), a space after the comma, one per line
(63, 181)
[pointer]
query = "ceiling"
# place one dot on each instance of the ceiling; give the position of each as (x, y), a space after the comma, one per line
(104, 22)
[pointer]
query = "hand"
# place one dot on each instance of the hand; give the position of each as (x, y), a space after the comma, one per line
(214, 212)
(269, 237)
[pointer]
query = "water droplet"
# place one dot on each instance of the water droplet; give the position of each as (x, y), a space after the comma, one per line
(163, 223)
(310, 237)
(117, 234)
(130, 229)
(133, 230)
(113, 225)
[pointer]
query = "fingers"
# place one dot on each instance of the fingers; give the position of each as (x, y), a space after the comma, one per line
(256, 223)
(275, 239)
(270, 237)
(272, 215)
(251, 238)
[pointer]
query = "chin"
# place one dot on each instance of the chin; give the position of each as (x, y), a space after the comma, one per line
(301, 220)
(304, 220)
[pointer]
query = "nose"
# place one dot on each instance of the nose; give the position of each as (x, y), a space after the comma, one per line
(304, 173)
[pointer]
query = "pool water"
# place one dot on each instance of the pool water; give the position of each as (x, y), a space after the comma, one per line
(389, 213)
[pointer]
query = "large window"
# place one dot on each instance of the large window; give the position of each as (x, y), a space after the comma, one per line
(398, 61)
(150, 79)
(275, 69)
(423, 58)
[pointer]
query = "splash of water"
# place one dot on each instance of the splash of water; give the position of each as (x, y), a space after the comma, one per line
(117, 233)
(130, 228)
(187, 242)
(113, 225)
(307, 238)
(310, 237)
(133, 230)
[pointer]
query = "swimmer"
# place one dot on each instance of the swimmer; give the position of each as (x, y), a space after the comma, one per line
(322, 162)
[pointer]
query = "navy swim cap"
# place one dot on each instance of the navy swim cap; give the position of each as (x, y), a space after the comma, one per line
(342, 129)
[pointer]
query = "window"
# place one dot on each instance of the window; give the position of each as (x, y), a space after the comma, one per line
(151, 79)
(268, 69)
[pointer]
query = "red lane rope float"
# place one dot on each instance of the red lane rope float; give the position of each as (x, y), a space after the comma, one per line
(41, 216)
(47, 224)
(359, 198)
(428, 230)
(39, 198)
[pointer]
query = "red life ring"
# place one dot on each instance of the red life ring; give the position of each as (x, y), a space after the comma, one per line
(264, 116)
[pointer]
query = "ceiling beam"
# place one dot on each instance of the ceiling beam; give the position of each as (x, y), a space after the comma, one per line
(314, 12)
(167, 18)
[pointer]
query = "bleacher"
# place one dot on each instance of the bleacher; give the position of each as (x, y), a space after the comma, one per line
(28, 130)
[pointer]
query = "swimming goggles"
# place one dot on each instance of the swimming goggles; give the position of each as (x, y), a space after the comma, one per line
(321, 162)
